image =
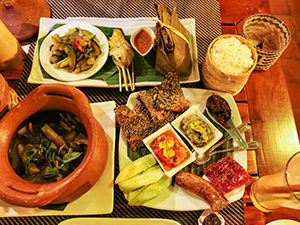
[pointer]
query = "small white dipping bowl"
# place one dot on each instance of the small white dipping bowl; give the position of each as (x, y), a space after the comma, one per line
(195, 109)
(133, 36)
(148, 140)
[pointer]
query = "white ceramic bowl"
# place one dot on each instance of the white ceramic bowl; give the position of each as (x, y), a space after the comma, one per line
(148, 140)
(195, 109)
(135, 33)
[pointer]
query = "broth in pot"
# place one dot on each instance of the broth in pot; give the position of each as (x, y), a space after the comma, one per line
(48, 146)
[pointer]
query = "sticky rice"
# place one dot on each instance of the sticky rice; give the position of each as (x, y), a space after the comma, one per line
(231, 56)
(229, 61)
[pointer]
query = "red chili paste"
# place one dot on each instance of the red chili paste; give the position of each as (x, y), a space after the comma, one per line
(169, 151)
(142, 41)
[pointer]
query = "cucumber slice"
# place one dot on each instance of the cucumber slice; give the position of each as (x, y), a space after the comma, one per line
(146, 193)
(136, 167)
(150, 176)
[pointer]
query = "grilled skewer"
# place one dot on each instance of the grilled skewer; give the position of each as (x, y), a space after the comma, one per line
(122, 55)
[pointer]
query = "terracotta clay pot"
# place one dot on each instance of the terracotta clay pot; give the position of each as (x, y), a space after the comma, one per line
(4, 96)
(17, 191)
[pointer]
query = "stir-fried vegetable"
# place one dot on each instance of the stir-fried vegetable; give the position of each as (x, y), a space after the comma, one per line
(76, 51)
(48, 147)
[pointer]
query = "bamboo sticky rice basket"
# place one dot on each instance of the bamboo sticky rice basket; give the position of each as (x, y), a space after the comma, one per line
(213, 78)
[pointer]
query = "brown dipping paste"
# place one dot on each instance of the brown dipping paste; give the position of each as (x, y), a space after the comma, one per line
(142, 41)
(220, 108)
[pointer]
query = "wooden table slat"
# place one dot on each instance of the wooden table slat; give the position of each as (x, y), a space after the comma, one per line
(252, 163)
(272, 119)
(253, 216)
(229, 29)
(242, 96)
(244, 112)
(234, 10)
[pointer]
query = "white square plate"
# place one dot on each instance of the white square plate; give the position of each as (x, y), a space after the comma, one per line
(148, 140)
(100, 198)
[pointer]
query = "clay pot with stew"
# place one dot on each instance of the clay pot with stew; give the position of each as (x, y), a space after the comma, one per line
(18, 191)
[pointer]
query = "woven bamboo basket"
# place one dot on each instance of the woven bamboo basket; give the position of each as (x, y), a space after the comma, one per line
(215, 79)
(272, 32)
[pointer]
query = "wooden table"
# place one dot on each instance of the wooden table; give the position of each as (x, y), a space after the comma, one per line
(264, 104)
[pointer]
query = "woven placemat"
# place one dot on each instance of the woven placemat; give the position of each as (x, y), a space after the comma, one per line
(233, 215)
(207, 16)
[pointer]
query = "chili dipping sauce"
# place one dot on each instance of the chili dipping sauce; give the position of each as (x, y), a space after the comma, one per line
(220, 108)
(142, 41)
(169, 150)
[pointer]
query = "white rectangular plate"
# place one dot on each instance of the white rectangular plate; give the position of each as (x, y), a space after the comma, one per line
(129, 25)
(100, 198)
(118, 221)
(175, 198)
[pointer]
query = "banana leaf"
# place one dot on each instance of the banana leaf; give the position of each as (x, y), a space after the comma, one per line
(144, 67)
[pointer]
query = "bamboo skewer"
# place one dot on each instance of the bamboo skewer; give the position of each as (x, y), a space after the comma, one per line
(132, 74)
(125, 78)
(122, 55)
(120, 79)
(129, 77)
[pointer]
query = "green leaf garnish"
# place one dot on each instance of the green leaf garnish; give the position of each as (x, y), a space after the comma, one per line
(71, 156)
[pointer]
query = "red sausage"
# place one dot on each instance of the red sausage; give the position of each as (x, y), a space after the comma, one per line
(203, 189)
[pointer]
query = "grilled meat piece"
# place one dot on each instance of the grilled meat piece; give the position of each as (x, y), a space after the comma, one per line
(203, 189)
(136, 124)
(155, 108)
(122, 56)
(120, 50)
(165, 101)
